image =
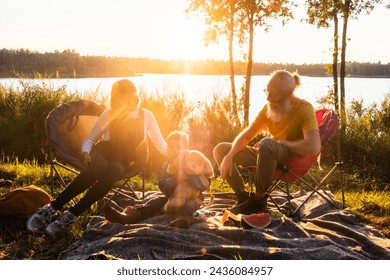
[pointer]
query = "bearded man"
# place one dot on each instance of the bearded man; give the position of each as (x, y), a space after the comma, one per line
(293, 130)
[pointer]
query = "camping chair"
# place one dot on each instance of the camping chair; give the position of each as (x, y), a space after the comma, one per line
(297, 168)
(66, 127)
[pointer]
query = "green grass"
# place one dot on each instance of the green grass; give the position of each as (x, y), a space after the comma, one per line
(372, 202)
(371, 207)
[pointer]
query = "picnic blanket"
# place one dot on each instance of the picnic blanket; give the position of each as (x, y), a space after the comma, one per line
(317, 232)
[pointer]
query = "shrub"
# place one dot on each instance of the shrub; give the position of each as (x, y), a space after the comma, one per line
(366, 142)
(22, 117)
(211, 124)
(170, 109)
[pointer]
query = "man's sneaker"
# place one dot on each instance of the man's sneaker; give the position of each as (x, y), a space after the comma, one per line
(62, 223)
(250, 206)
(241, 197)
(43, 216)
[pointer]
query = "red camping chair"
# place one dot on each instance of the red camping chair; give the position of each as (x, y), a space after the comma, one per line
(297, 168)
(66, 127)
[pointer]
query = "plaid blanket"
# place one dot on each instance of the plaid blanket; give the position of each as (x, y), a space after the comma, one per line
(317, 232)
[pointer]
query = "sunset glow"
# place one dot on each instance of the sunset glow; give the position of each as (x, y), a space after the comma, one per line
(161, 29)
(185, 42)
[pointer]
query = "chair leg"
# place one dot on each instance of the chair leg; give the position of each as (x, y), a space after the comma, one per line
(317, 190)
(288, 195)
(275, 203)
(126, 183)
(119, 191)
(51, 172)
(106, 203)
(284, 190)
(143, 184)
(62, 182)
(340, 164)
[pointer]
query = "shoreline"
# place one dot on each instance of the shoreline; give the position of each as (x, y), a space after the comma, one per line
(195, 74)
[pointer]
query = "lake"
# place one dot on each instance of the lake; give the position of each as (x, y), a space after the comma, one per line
(200, 87)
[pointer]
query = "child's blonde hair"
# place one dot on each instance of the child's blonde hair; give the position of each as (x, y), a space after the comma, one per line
(178, 135)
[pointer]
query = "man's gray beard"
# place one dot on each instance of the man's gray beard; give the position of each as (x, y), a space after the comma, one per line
(279, 112)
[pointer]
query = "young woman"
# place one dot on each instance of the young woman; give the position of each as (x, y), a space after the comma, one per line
(112, 149)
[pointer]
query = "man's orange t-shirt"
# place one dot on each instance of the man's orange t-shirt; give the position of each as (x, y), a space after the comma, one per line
(302, 119)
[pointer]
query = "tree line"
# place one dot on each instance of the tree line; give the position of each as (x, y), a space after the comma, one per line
(70, 64)
(65, 64)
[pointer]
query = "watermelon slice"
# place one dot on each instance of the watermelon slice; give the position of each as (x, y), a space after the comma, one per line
(260, 220)
(230, 219)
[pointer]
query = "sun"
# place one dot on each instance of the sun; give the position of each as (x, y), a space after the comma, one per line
(187, 41)
(187, 47)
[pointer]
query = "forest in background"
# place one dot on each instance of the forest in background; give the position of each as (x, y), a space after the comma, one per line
(70, 64)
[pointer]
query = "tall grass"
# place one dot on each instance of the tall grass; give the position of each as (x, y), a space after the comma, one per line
(211, 124)
(370, 202)
(22, 117)
(365, 144)
(169, 106)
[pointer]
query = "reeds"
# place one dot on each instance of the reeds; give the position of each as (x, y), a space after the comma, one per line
(23, 109)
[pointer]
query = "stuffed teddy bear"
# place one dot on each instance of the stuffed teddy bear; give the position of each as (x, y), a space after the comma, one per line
(187, 163)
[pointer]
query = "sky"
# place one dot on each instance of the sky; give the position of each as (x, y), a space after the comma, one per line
(160, 29)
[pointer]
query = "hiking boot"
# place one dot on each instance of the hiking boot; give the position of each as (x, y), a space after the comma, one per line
(250, 206)
(131, 217)
(62, 223)
(43, 216)
(241, 197)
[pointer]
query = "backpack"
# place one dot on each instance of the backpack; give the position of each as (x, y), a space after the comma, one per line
(23, 202)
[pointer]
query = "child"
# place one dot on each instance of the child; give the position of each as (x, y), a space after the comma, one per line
(177, 141)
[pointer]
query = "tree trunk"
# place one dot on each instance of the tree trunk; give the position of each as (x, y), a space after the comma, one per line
(249, 70)
(335, 61)
(231, 66)
(342, 66)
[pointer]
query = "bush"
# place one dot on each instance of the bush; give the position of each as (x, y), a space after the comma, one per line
(210, 124)
(366, 142)
(22, 117)
(170, 109)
